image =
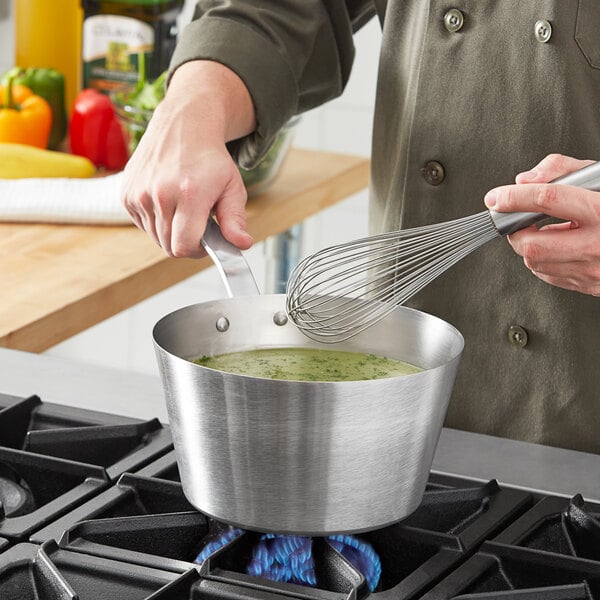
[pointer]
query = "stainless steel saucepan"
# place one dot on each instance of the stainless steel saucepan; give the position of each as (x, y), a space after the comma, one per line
(310, 458)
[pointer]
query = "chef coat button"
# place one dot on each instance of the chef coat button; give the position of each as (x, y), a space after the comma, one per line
(543, 31)
(517, 336)
(433, 172)
(453, 20)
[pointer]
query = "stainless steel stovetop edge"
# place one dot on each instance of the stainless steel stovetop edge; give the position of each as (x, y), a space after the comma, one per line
(522, 465)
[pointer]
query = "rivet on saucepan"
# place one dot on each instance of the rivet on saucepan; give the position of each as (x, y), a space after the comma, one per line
(280, 318)
(222, 324)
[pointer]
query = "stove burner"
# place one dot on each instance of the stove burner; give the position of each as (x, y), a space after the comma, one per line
(215, 545)
(15, 499)
(289, 558)
(283, 558)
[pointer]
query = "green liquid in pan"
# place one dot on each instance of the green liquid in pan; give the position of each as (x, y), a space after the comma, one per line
(308, 364)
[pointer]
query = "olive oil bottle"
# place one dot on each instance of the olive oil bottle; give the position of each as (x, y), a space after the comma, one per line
(116, 32)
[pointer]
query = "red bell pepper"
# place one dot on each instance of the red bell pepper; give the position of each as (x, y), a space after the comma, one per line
(95, 131)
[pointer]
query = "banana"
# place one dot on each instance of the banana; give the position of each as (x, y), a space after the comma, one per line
(19, 161)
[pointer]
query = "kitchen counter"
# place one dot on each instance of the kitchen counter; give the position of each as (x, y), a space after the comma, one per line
(58, 280)
(473, 456)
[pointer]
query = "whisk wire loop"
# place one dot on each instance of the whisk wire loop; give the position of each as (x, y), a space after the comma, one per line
(344, 289)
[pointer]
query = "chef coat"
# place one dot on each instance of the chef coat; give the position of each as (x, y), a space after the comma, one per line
(470, 92)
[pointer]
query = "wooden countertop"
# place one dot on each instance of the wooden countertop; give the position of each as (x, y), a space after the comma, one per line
(58, 280)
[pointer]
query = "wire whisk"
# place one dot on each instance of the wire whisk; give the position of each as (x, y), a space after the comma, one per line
(342, 290)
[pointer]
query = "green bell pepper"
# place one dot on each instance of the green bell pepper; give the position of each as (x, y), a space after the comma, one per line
(50, 85)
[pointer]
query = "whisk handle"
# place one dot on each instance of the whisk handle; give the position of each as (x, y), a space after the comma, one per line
(507, 223)
(588, 178)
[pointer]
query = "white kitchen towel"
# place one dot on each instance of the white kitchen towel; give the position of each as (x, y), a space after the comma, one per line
(94, 200)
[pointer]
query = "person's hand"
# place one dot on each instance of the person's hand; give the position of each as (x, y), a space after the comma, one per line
(567, 254)
(181, 171)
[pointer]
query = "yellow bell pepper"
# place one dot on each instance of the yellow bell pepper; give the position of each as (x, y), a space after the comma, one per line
(24, 117)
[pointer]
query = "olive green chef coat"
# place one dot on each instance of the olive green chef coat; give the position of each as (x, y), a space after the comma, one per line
(470, 92)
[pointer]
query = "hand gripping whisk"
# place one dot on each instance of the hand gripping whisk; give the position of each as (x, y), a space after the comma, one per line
(342, 290)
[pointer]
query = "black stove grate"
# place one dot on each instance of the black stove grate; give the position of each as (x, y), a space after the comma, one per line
(551, 552)
(511, 573)
(558, 525)
(92, 507)
(54, 457)
(30, 572)
(145, 519)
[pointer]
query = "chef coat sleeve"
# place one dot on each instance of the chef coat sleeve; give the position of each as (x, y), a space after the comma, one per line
(292, 55)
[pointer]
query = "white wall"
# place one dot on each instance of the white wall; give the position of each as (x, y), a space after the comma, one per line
(343, 125)
(6, 36)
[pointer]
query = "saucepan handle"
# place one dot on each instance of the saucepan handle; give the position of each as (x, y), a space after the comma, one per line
(230, 262)
(588, 178)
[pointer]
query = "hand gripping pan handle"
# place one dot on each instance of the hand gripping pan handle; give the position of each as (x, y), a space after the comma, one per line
(231, 264)
(588, 178)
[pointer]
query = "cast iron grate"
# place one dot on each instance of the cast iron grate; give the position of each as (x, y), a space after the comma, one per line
(501, 572)
(145, 519)
(30, 572)
(53, 457)
(551, 552)
(558, 525)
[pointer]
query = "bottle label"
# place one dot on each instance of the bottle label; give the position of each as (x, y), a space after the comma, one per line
(110, 47)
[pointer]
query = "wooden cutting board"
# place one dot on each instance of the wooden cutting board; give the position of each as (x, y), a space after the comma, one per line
(58, 280)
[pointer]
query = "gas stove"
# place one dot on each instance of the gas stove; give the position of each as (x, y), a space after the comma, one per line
(144, 519)
(52, 458)
(93, 508)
